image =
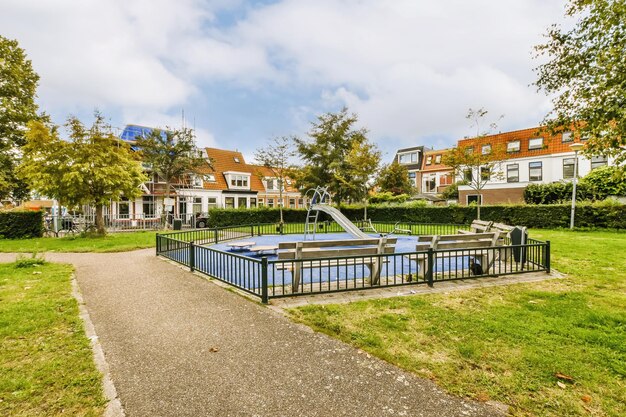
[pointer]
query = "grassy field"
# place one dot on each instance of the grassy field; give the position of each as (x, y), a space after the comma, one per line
(113, 242)
(46, 364)
(555, 348)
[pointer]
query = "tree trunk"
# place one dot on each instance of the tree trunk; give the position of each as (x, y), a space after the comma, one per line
(164, 224)
(100, 230)
(479, 202)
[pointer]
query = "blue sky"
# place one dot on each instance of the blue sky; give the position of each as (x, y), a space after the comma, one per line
(244, 71)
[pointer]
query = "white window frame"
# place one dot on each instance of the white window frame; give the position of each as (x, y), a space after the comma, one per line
(512, 149)
(535, 143)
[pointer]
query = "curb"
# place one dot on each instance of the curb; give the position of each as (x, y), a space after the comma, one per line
(114, 406)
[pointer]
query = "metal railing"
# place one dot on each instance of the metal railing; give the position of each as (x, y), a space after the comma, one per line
(269, 279)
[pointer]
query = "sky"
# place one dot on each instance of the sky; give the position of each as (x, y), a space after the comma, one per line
(243, 72)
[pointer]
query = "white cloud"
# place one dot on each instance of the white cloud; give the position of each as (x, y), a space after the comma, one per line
(409, 69)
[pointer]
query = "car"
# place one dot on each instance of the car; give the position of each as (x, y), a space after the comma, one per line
(202, 220)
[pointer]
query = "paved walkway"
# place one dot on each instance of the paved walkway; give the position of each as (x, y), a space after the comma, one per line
(178, 345)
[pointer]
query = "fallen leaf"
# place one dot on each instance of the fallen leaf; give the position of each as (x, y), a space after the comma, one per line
(586, 398)
(533, 302)
(561, 385)
(214, 349)
(564, 377)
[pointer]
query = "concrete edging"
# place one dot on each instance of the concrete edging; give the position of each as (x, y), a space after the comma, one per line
(114, 406)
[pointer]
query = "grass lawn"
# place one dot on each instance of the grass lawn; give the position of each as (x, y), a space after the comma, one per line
(113, 242)
(46, 364)
(554, 348)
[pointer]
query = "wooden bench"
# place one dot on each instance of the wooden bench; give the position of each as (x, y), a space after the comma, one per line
(472, 245)
(362, 249)
(478, 226)
(505, 232)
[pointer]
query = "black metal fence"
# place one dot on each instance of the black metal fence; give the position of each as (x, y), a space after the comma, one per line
(287, 278)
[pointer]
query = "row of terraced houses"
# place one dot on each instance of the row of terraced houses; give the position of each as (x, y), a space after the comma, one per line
(532, 156)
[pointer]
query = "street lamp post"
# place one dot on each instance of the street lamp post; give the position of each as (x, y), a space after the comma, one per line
(575, 147)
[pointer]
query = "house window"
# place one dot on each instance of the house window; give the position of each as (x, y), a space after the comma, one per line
(512, 173)
(437, 159)
(197, 205)
(242, 202)
(598, 161)
(229, 202)
(474, 199)
(252, 202)
(270, 202)
(300, 202)
(292, 203)
(407, 158)
(469, 150)
(261, 202)
(236, 160)
(209, 177)
(240, 181)
(148, 206)
(212, 202)
(513, 146)
(485, 174)
(568, 168)
(270, 184)
(567, 137)
(445, 179)
(467, 175)
(535, 143)
(485, 149)
(196, 181)
(123, 207)
(535, 171)
(429, 159)
(412, 178)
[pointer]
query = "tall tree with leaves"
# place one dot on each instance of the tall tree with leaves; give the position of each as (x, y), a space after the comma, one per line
(333, 154)
(394, 178)
(18, 85)
(277, 156)
(172, 154)
(586, 73)
(92, 168)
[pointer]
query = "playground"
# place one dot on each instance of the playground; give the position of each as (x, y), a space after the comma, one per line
(340, 255)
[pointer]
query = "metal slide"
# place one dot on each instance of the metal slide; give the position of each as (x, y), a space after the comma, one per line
(319, 203)
(341, 220)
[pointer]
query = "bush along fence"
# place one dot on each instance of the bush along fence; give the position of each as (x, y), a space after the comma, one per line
(549, 216)
(21, 224)
(274, 278)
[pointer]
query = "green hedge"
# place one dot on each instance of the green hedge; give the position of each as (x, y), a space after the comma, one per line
(599, 215)
(21, 224)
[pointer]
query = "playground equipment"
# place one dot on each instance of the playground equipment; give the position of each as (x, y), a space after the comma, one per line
(320, 202)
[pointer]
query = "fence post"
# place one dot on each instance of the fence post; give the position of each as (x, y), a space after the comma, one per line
(158, 244)
(548, 256)
(216, 237)
(431, 264)
(264, 295)
(251, 230)
(192, 256)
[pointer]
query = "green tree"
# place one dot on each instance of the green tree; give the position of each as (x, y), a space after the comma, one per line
(277, 156)
(92, 168)
(606, 181)
(337, 156)
(18, 85)
(172, 154)
(586, 73)
(394, 178)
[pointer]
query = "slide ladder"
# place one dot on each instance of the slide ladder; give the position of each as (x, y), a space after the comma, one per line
(320, 202)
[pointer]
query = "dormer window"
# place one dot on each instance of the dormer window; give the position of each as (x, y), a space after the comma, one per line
(196, 181)
(437, 159)
(236, 180)
(237, 160)
(209, 177)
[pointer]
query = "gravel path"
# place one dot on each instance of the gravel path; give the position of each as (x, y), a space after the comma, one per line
(178, 345)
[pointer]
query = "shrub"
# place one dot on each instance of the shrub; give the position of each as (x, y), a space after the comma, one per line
(601, 215)
(19, 224)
